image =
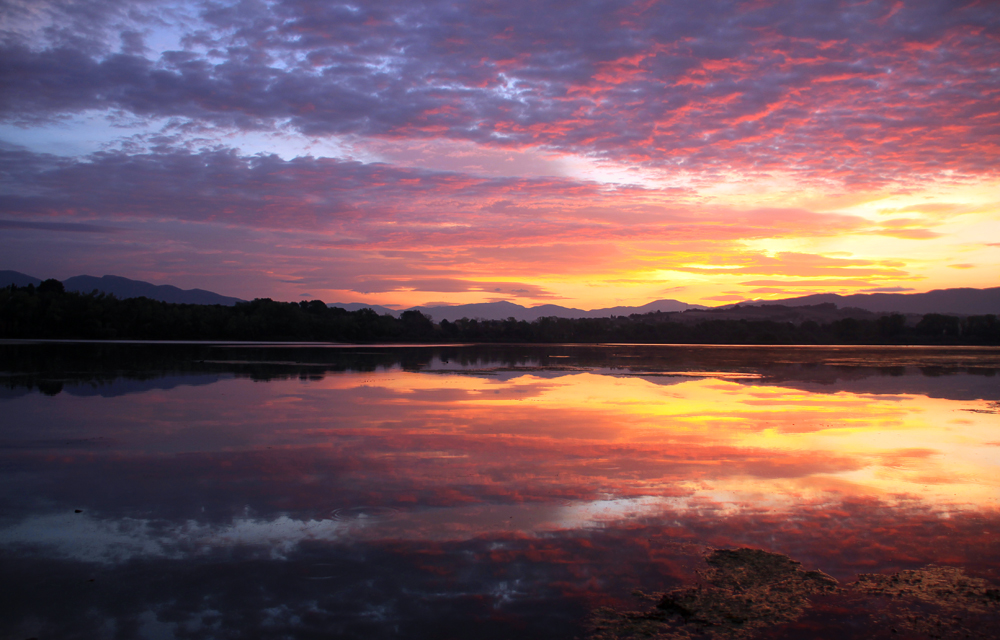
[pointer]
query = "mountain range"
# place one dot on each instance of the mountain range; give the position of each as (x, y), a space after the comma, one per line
(959, 301)
(125, 288)
(503, 310)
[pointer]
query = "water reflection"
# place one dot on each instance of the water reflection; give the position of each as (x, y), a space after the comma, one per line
(960, 373)
(425, 492)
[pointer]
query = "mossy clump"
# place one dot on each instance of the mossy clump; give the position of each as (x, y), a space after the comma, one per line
(935, 602)
(743, 590)
(746, 592)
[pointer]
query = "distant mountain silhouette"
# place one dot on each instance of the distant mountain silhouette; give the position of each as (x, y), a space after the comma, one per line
(124, 288)
(17, 278)
(959, 301)
(665, 306)
(823, 313)
(355, 306)
(486, 310)
(963, 301)
(503, 310)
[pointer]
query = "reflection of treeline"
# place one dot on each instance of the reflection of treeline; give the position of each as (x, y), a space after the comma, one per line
(49, 312)
(49, 366)
(662, 328)
(52, 367)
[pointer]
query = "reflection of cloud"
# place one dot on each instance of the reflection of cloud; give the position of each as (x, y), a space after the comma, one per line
(374, 500)
(372, 587)
(114, 541)
(446, 449)
(90, 539)
(903, 457)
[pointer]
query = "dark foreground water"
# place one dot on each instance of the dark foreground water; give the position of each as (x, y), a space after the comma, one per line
(197, 491)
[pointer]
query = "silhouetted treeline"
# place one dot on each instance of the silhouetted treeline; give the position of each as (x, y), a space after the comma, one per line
(47, 311)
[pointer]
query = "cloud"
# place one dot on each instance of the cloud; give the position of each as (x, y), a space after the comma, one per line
(261, 190)
(449, 285)
(887, 290)
(331, 226)
(78, 227)
(938, 210)
(797, 264)
(909, 234)
(907, 228)
(730, 297)
(861, 95)
(806, 283)
(403, 207)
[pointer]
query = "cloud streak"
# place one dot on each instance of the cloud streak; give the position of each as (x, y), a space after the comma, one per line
(420, 230)
(265, 191)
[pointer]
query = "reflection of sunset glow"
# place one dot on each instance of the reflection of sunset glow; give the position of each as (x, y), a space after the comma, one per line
(457, 439)
(889, 445)
(484, 481)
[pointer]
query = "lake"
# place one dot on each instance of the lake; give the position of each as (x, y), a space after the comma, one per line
(544, 491)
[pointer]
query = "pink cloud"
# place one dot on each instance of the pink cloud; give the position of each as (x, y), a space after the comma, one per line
(865, 95)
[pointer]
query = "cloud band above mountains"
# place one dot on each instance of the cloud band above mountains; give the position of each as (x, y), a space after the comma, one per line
(856, 93)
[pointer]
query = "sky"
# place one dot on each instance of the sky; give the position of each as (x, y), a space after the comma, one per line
(581, 153)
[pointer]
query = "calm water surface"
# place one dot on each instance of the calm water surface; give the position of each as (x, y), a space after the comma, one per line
(202, 491)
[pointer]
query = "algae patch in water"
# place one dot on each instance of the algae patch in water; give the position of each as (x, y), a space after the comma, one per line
(935, 602)
(744, 592)
(935, 585)
(745, 589)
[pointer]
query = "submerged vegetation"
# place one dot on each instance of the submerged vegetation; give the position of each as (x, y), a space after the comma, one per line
(49, 312)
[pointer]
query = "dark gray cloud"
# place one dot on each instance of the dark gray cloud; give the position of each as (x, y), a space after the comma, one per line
(259, 191)
(869, 92)
(361, 205)
(57, 226)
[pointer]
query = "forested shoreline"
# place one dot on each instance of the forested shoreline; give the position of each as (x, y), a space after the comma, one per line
(49, 312)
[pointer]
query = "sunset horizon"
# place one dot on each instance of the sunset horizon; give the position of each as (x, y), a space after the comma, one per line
(493, 319)
(422, 153)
